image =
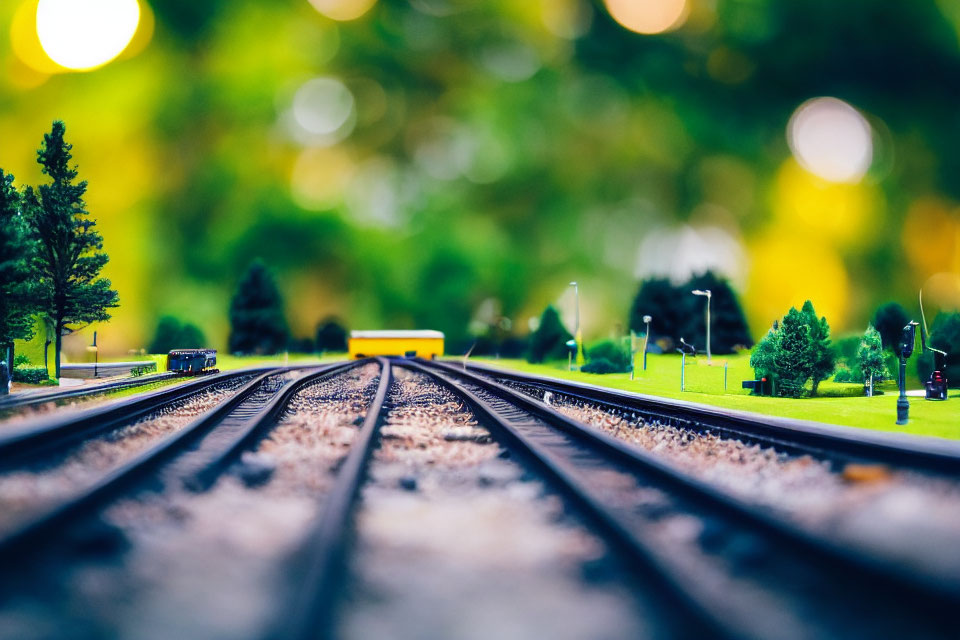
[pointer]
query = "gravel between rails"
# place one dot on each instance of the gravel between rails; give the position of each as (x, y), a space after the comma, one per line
(454, 540)
(29, 490)
(883, 509)
(210, 565)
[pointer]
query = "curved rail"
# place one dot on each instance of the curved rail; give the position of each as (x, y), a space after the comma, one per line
(176, 448)
(824, 441)
(309, 614)
(572, 453)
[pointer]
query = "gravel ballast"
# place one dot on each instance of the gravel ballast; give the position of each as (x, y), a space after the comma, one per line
(454, 540)
(211, 565)
(882, 509)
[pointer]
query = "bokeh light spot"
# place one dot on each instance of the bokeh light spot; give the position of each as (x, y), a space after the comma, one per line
(320, 177)
(322, 105)
(649, 16)
(343, 10)
(831, 139)
(86, 34)
(25, 43)
(930, 236)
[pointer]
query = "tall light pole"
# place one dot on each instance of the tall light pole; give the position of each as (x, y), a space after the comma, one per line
(646, 340)
(706, 292)
(577, 336)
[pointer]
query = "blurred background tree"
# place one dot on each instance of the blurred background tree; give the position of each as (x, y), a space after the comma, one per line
(257, 323)
(401, 163)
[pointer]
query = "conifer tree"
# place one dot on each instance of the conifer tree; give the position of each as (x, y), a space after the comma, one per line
(549, 341)
(68, 259)
(870, 356)
(821, 354)
(793, 358)
(331, 336)
(16, 249)
(257, 322)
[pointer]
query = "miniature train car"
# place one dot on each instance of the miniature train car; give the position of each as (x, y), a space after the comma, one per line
(192, 361)
(425, 344)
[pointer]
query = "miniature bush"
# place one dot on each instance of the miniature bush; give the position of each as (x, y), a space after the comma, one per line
(172, 334)
(601, 365)
(30, 375)
(331, 336)
(613, 353)
(20, 360)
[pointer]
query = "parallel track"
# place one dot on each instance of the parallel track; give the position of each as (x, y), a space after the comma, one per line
(797, 585)
(193, 455)
(48, 435)
(826, 442)
(18, 401)
(308, 616)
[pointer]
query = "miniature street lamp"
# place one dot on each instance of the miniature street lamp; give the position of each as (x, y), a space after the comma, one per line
(646, 340)
(571, 347)
(96, 354)
(576, 334)
(906, 349)
(684, 349)
(706, 292)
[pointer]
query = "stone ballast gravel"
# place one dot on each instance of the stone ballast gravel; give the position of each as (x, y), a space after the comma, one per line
(882, 509)
(28, 490)
(455, 541)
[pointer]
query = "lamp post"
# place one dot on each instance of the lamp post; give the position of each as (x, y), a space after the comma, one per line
(706, 292)
(96, 354)
(646, 340)
(576, 334)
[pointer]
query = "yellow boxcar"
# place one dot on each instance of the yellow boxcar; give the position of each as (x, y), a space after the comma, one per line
(425, 344)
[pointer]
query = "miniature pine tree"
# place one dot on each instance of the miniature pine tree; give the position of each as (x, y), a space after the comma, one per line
(793, 359)
(68, 260)
(257, 322)
(549, 341)
(870, 357)
(822, 355)
(16, 248)
(762, 356)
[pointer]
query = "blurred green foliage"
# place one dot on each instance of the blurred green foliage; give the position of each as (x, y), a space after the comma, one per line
(491, 155)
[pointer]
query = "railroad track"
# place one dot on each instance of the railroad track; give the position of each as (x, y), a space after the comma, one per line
(193, 455)
(19, 401)
(837, 444)
(44, 436)
(738, 570)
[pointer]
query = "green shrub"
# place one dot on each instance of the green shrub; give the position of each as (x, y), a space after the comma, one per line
(21, 360)
(30, 375)
(615, 354)
(845, 374)
(601, 365)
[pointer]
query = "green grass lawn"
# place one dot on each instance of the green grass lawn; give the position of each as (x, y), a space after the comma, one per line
(838, 404)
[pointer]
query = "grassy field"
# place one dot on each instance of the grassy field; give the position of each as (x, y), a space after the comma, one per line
(838, 404)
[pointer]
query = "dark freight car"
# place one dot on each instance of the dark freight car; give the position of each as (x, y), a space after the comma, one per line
(192, 361)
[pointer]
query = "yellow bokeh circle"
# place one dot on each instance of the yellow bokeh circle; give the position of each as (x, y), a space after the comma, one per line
(649, 16)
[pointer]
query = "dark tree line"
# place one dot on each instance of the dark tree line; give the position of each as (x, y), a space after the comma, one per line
(50, 252)
(677, 313)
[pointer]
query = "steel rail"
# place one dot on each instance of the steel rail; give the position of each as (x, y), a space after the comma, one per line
(58, 432)
(309, 616)
(824, 441)
(28, 536)
(875, 574)
(18, 401)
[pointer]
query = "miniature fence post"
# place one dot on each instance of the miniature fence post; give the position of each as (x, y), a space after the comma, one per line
(725, 363)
